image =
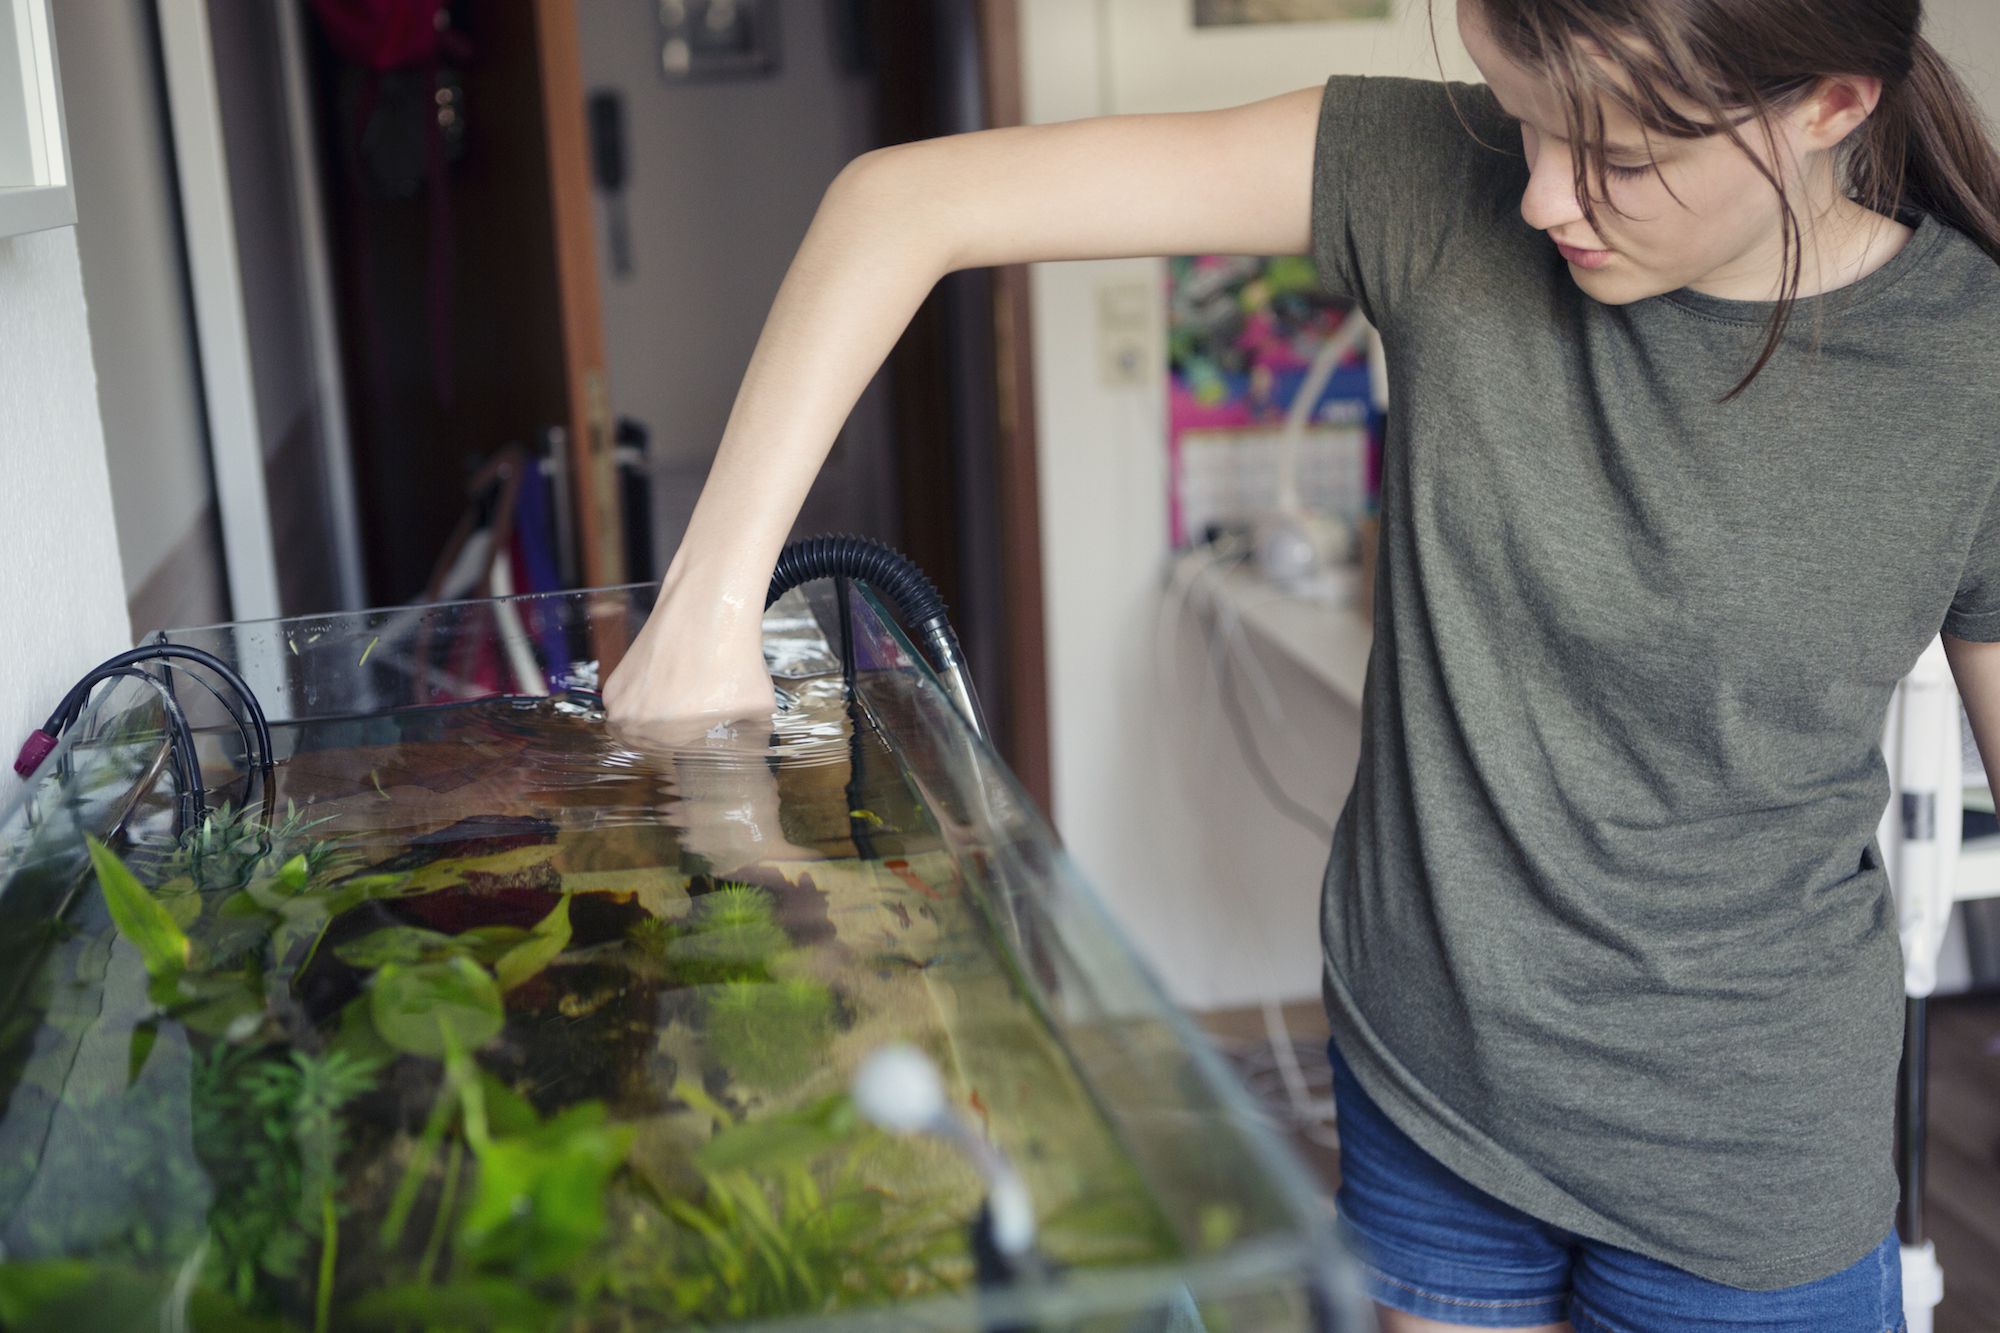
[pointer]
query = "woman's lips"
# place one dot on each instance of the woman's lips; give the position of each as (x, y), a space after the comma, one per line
(1584, 258)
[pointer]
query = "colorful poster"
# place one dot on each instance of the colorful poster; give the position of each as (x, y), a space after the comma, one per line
(1241, 333)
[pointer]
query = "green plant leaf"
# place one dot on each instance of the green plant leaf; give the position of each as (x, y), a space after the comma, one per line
(507, 1111)
(144, 1034)
(782, 1138)
(27, 1287)
(181, 899)
(540, 1199)
(687, 1090)
(293, 875)
(487, 943)
(414, 1003)
(471, 1302)
(394, 944)
(75, 1295)
(138, 915)
(217, 1005)
(549, 938)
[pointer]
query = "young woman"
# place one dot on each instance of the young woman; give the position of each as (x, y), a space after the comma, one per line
(1693, 320)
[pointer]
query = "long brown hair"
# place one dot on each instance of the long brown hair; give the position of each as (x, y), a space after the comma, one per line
(1924, 149)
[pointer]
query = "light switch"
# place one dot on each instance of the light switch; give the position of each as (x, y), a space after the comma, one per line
(1127, 333)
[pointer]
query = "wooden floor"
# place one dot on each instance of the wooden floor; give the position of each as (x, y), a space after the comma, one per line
(1963, 1195)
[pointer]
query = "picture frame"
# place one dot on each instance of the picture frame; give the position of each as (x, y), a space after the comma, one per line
(711, 39)
(1238, 13)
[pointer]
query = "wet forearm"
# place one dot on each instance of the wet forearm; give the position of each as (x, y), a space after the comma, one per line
(873, 252)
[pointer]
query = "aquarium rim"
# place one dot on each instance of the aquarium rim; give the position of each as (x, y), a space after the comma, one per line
(1262, 1268)
(400, 608)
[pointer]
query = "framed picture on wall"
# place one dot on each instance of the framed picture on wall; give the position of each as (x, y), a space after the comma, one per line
(1227, 13)
(707, 39)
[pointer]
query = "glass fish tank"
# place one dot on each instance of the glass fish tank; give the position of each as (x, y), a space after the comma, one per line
(472, 1012)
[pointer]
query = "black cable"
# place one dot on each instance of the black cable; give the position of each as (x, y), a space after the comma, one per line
(1245, 742)
(242, 725)
(191, 807)
(187, 765)
(73, 703)
(267, 756)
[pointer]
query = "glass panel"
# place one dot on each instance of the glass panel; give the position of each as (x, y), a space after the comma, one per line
(490, 1016)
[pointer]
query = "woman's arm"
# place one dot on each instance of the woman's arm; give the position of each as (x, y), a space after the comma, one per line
(1975, 668)
(1235, 181)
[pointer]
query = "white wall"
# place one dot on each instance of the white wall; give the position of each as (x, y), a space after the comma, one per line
(60, 588)
(1218, 889)
(1968, 32)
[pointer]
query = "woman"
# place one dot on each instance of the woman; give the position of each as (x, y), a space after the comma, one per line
(1693, 318)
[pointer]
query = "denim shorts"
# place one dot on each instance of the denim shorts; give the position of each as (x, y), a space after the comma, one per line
(1434, 1245)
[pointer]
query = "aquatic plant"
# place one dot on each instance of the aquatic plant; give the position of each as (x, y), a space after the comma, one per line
(783, 1222)
(268, 1128)
(729, 936)
(650, 935)
(769, 1033)
(549, 937)
(733, 903)
(221, 851)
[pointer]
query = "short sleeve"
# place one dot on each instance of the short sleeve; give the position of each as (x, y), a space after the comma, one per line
(1410, 176)
(1975, 607)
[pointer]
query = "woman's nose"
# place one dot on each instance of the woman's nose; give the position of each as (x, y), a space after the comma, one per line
(1550, 199)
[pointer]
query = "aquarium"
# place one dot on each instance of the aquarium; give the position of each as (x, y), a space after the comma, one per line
(480, 1014)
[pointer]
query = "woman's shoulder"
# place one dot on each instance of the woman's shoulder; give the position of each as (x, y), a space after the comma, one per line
(1949, 296)
(1412, 179)
(1398, 110)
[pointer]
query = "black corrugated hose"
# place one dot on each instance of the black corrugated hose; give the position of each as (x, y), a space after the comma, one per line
(894, 576)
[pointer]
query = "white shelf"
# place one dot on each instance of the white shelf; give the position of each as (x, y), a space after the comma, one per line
(1329, 642)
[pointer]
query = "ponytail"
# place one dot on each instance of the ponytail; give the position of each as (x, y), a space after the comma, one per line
(1926, 147)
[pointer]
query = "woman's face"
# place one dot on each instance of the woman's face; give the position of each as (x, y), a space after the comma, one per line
(1706, 219)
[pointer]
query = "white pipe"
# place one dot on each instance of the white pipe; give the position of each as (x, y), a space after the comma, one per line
(1347, 339)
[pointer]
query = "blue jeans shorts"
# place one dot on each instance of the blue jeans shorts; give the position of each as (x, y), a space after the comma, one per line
(1434, 1245)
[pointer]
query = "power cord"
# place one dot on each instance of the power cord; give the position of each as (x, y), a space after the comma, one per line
(186, 764)
(1220, 659)
(1274, 1068)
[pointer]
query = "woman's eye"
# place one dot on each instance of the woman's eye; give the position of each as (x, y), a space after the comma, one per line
(1626, 173)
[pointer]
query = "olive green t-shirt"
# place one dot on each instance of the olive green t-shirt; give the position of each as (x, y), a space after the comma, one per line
(1605, 920)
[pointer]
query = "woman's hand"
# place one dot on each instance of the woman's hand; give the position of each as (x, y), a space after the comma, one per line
(697, 664)
(693, 695)
(723, 797)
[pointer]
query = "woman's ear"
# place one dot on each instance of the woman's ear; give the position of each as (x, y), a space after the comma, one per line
(1839, 104)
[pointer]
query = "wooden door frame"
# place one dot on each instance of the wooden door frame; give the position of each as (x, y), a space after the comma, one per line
(1026, 727)
(598, 516)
